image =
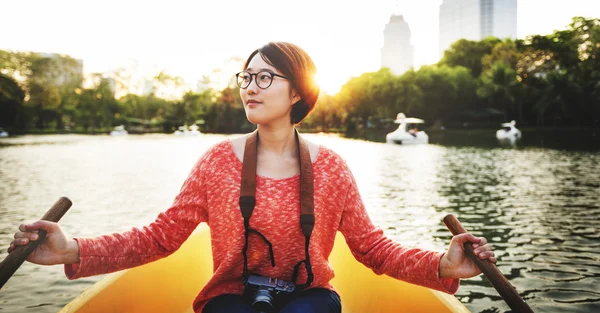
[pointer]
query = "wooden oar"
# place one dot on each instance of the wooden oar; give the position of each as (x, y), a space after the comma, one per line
(12, 262)
(489, 269)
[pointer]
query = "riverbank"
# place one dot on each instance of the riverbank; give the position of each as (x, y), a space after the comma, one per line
(568, 138)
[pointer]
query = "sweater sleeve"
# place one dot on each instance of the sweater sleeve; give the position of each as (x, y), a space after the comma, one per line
(372, 248)
(110, 253)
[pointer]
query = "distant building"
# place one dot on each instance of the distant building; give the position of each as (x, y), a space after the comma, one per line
(112, 84)
(475, 20)
(148, 87)
(71, 70)
(397, 52)
(203, 84)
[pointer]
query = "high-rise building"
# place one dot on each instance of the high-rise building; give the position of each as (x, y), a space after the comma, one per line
(397, 52)
(112, 84)
(203, 84)
(68, 70)
(148, 87)
(475, 20)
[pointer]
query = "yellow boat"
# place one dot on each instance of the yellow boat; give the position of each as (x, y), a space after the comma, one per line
(172, 283)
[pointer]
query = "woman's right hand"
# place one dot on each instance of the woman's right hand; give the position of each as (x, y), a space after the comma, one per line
(56, 249)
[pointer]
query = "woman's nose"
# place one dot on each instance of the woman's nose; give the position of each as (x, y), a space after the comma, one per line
(252, 87)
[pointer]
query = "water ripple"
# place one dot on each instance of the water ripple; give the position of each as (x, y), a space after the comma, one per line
(539, 208)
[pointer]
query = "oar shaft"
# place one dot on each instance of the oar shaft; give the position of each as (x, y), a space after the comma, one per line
(489, 269)
(14, 260)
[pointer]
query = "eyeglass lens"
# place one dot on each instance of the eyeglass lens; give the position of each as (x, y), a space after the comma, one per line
(263, 79)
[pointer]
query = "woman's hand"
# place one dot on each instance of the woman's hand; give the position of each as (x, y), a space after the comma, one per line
(456, 264)
(56, 249)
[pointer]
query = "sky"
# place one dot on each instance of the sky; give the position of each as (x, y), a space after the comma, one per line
(190, 39)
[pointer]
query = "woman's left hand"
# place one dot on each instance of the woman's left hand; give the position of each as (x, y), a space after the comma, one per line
(456, 264)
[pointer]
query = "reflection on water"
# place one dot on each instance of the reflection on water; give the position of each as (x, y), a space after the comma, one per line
(539, 207)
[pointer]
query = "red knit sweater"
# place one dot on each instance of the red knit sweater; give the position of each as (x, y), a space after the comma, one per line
(211, 193)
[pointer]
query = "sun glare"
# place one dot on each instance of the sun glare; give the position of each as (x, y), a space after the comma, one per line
(327, 83)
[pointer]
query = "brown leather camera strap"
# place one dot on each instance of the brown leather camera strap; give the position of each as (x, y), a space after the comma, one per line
(248, 188)
(248, 196)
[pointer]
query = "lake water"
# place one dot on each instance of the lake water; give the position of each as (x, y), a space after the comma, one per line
(540, 207)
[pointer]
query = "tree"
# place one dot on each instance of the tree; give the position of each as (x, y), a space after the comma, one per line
(505, 51)
(469, 54)
(498, 86)
(368, 96)
(409, 95)
(560, 73)
(167, 84)
(52, 83)
(192, 108)
(446, 91)
(11, 103)
(97, 107)
(15, 64)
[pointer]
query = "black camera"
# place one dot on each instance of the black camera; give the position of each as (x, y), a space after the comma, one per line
(262, 291)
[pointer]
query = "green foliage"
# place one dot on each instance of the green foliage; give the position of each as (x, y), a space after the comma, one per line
(11, 104)
(469, 54)
(446, 90)
(226, 114)
(498, 86)
(561, 75)
(96, 107)
(504, 52)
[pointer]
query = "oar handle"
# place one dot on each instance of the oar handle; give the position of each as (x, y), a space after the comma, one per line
(489, 269)
(12, 262)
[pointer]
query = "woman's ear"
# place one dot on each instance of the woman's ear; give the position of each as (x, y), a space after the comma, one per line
(295, 97)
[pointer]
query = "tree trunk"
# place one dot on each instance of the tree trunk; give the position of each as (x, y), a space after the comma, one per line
(39, 124)
(520, 110)
(60, 126)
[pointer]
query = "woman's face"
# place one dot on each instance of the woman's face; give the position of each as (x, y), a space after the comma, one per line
(266, 106)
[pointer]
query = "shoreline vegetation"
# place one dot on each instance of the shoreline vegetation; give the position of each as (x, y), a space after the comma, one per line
(541, 82)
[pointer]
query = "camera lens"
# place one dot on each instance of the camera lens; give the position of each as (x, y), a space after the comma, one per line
(263, 300)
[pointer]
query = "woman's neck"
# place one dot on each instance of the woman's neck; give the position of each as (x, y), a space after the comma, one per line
(280, 141)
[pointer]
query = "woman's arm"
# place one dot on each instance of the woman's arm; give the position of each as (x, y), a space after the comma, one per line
(371, 247)
(138, 246)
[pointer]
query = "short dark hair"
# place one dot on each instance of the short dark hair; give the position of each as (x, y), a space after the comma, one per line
(294, 63)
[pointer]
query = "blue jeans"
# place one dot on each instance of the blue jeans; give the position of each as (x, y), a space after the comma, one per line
(316, 300)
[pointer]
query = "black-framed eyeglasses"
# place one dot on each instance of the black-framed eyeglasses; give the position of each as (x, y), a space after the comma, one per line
(263, 80)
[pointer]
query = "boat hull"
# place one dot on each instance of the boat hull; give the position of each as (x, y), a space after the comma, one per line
(510, 135)
(404, 138)
(119, 133)
(172, 283)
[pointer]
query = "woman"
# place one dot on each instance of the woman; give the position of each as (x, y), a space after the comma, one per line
(278, 91)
